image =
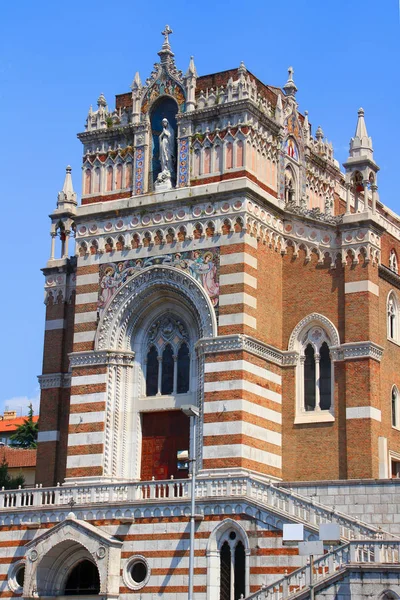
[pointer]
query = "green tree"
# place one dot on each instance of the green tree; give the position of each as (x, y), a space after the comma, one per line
(26, 434)
(6, 481)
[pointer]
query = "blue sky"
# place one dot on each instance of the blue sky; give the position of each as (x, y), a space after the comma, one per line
(56, 58)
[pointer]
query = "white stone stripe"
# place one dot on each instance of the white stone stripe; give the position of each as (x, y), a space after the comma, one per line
(219, 406)
(86, 317)
(238, 298)
(84, 460)
(86, 279)
(242, 384)
(361, 286)
(88, 398)
(238, 319)
(242, 451)
(54, 324)
(86, 417)
(242, 365)
(86, 438)
(238, 258)
(242, 427)
(88, 379)
(86, 298)
(84, 336)
(48, 436)
(364, 412)
(234, 278)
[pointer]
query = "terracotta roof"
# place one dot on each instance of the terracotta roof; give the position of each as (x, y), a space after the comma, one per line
(11, 425)
(18, 457)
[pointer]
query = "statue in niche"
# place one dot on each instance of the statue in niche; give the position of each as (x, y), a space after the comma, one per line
(167, 156)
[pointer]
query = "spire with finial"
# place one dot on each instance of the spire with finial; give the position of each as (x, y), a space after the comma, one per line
(101, 101)
(191, 72)
(319, 134)
(306, 126)
(67, 197)
(361, 144)
(166, 55)
(136, 83)
(290, 87)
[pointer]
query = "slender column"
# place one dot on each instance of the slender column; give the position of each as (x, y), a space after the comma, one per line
(317, 383)
(53, 244)
(66, 243)
(175, 357)
(348, 198)
(374, 189)
(366, 203)
(159, 358)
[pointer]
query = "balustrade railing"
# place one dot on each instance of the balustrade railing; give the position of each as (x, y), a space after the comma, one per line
(263, 492)
(355, 552)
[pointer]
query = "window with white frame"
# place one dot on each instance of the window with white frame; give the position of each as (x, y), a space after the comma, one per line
(395, 408)
(393, 317)
(167, 357)
(314, 369)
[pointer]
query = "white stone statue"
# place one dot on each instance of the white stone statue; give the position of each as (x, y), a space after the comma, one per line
(167, 156)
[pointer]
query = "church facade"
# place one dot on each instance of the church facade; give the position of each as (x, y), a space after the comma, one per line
(227, 268)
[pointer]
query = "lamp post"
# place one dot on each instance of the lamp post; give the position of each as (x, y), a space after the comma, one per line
(193, 412)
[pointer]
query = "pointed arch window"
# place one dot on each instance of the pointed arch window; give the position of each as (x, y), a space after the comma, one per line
(232, 556)
(88, 181)
(168, 363)
(393, 318)
(314, 373)
(290, 189)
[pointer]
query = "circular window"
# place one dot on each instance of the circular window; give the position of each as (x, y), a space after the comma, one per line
(232, 535)
(136, 572)
(16, 577)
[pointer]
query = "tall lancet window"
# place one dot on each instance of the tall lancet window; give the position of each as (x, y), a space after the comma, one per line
(314, 342)
(393, 317)
(168, 363)
(232, 567)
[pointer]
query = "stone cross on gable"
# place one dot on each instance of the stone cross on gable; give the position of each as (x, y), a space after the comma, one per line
(167, 31)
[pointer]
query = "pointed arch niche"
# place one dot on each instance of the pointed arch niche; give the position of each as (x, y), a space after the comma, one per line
(156, 317)
(165, 107)
(228, 568)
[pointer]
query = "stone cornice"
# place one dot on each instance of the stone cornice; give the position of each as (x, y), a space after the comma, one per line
(102, 357)
(230, 343)
(54, 380)
(389, 276)
(355, 350)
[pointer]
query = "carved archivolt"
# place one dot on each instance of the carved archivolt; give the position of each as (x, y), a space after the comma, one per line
(314, 319)
(113, 325)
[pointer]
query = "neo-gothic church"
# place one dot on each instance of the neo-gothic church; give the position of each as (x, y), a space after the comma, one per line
(220, 264)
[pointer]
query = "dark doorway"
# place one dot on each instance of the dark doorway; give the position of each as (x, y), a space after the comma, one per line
(83, 580)
(163, 434)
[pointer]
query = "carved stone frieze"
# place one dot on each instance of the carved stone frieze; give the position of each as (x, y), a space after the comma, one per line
(103, 357)
(354, 350)
(229, 343)
(54, 380)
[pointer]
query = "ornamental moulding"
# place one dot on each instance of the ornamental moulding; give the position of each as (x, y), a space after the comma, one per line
(103, 357)
(229, 343)
(54, 380)
(354, 350)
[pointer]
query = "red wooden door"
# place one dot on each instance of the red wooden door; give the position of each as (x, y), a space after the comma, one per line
(163, 434)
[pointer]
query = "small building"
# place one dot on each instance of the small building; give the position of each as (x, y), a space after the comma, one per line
(9, 423)
(21, 461)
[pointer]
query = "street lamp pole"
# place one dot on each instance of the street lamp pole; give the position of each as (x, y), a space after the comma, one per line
(193, 412)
